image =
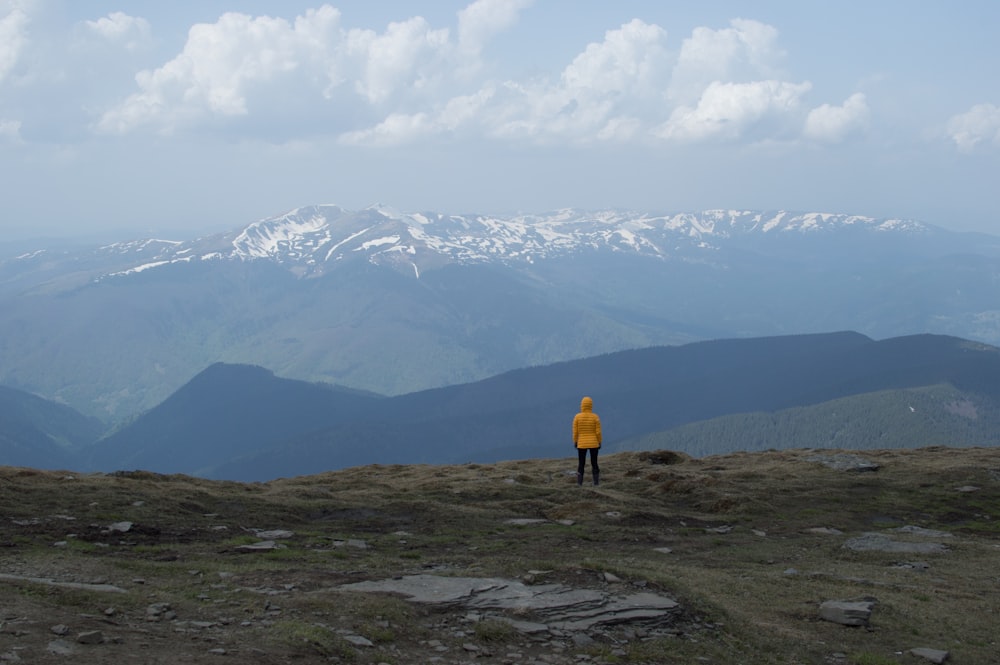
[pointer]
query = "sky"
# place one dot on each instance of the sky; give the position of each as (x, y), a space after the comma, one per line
(176, 119)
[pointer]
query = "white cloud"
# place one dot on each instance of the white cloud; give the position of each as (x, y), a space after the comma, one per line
(832, 124)
(747, 51)
(483, 19)
(223, 63)
(409, 55)
(598, 93)
(13, 34)
(728, 110)
(978, 126)
(130, 31)
(240, 65)
(630, 60)
(399, 128)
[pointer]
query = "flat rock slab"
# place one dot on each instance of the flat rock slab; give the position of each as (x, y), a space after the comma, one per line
(555, 605)
(879, 542)
(847, 612)
(844, 462)
(104, 588)
(933, 655)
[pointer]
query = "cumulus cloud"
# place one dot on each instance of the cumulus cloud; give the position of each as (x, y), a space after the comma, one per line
(728, 110)
(833, 124)
(399, 128)
(483, 19)
(240, 64)
(223, 63)
(744, 52)
(414, 80)
(594, 98)
(13, 34)
(130, 31)
(409, 54)
(979, 126)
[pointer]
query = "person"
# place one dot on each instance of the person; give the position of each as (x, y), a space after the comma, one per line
(587, 437)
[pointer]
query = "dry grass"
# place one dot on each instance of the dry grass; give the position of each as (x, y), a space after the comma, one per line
(751, 592)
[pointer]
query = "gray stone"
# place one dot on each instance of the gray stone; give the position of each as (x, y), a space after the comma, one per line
(847, 612)
(844, 462)
(90, 637)
(879, 542)
(275, 534)
(922, 532)
(933, 655)
(358, 641)
(121, 527)
(559, 607)
(262, 546)
(79, 586)
(60, 648)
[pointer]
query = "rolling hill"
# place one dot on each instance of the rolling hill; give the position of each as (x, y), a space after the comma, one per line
(244, 423)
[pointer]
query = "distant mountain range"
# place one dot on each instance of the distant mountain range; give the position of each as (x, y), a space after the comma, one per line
(396, 303)
(840, 390)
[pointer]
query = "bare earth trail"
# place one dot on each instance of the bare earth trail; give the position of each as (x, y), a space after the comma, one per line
(744, 558)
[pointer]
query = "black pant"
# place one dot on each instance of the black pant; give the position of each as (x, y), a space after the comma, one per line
(581, 453)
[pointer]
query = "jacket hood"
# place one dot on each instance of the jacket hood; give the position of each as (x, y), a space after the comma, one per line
(586, 404)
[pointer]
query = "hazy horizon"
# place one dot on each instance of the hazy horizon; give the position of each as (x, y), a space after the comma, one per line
(191, 118)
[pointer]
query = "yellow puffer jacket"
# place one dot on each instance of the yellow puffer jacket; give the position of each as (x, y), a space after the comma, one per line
(587, 426)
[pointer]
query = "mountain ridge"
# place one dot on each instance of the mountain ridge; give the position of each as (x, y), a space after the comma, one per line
(638, 393)
(394, 303)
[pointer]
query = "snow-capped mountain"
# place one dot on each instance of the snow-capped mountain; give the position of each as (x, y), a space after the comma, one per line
(394, 302)
(310, 240)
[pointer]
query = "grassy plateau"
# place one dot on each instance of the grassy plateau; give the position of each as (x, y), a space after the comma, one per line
(137, 567)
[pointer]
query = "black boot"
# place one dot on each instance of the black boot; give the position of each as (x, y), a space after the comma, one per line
(597, 478)
(579, 478)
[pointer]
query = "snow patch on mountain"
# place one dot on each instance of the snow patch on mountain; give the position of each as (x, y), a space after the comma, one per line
(311, 240)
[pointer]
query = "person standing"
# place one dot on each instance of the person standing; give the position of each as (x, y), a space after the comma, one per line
(587, 437)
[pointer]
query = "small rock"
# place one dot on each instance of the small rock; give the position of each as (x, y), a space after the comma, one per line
(933, 655)
(844, 462)
(58, 647)
(121, 527)
(262, 546)
(358, 641)
(276, 534)
(879, 542)
(663, 550)
(611, 578)
(913, 565)
(60, 629)
(967, 488)
(921, 531)
(847, 612)
(90, 637)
